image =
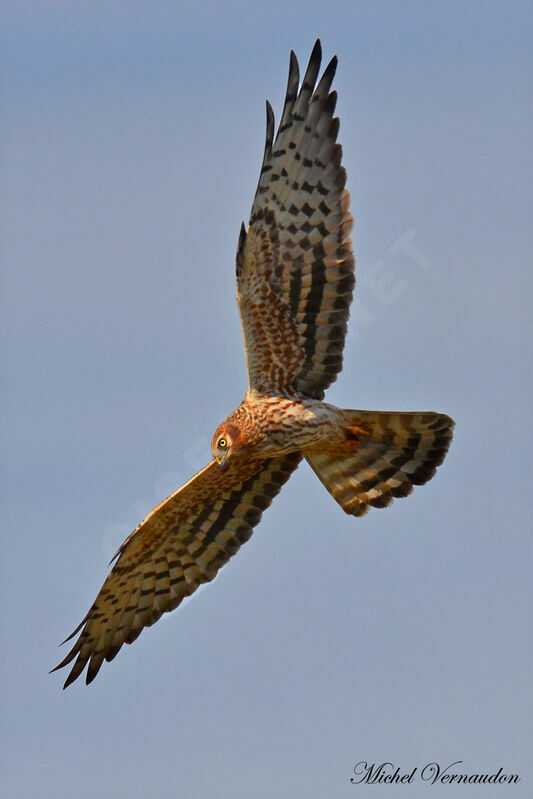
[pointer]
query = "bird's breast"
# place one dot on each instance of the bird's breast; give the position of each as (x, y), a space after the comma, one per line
(286, 425)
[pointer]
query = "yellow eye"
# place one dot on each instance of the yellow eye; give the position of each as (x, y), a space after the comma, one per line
(222, 443)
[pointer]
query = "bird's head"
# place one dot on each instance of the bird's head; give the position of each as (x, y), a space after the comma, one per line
(224, 443)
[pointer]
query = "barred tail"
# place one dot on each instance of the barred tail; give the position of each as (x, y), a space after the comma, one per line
(385, 455)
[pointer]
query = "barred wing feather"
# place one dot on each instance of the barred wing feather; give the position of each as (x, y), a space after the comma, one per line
(295, 267)
(182, 543)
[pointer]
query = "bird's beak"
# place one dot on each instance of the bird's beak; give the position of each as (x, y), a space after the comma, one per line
(220, 462)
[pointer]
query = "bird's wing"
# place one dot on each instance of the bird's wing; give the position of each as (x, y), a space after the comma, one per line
(295, 266)
(182, 543)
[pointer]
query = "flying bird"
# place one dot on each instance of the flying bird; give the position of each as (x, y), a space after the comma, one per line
(295, 280)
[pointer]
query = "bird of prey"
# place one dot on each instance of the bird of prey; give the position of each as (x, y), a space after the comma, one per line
(295, 280)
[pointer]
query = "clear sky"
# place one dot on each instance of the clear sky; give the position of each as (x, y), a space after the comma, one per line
(132, 136)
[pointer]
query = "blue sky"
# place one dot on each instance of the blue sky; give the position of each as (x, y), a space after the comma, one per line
(132, 139)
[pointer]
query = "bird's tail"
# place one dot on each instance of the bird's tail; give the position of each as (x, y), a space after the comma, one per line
(385, 455)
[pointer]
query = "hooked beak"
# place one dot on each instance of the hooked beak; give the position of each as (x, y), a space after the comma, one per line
(221, 462)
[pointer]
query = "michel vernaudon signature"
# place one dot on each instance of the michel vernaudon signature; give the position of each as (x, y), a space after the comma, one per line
(432, 773)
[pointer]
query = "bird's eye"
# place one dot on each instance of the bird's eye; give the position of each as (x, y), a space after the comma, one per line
(222, 443)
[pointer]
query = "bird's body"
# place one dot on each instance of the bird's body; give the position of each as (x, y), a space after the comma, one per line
(276, 425)
(295, 280)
